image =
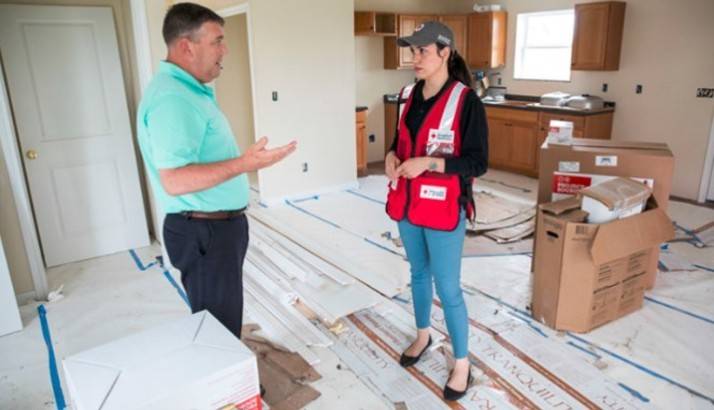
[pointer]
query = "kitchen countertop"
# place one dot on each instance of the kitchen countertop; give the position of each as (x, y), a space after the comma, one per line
(528, 103)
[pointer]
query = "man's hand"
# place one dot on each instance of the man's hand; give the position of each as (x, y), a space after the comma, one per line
(391, 162)
(258, 157)
(197, 177)
(414, 167)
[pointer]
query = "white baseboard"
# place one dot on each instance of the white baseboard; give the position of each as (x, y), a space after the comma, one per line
(324, 190)
(25, 298)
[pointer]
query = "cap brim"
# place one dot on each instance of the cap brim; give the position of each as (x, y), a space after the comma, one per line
(413, 40)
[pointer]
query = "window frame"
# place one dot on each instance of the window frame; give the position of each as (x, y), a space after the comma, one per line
(520, 45)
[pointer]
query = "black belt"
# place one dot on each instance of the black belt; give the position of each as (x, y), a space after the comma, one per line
(216, 215)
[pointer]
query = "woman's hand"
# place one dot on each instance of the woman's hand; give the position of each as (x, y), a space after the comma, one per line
(391, 162)
(413, 167)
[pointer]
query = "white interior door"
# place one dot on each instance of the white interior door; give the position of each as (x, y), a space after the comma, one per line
(67, 92)
(9, 314)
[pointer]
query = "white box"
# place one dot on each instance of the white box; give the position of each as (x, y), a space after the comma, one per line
(560, 132)
(191, 363)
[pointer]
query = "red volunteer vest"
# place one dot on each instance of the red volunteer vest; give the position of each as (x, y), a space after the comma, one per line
(430, 200)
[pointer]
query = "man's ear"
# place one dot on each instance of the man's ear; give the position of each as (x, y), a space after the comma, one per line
(184, 46)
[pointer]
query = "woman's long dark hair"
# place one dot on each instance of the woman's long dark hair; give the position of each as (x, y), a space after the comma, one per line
(458, 69)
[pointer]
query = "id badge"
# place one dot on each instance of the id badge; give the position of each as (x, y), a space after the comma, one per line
(440, 143)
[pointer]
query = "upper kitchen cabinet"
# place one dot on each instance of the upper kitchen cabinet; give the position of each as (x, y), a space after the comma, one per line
(597, 37)
(396, 57)
(459, 25)
(373, 23)
(487, 40)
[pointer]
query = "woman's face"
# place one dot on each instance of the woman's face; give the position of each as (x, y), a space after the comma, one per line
(428, 60)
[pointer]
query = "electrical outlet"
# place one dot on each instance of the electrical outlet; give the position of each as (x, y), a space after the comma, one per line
(372, 138)
(705, 92)
(304, 167)
(275, 96)
(638, 89)
(604, 87)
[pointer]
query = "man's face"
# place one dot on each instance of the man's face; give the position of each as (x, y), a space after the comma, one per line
(207, 49)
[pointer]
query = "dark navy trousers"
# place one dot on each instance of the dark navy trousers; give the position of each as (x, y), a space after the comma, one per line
(210, 254)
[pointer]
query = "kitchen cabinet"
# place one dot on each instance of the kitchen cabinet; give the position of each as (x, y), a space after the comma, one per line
(486, 40)
(396, 57)
(373, 23)
(515, 135)
(597, 36)
(512, 139)
(360, 132)
(459, 25)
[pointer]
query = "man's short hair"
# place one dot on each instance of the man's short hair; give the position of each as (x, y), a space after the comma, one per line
(183, 19)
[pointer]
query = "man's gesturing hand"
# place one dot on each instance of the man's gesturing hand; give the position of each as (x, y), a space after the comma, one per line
(258, 157)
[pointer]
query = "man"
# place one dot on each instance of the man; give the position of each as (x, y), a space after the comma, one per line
(195, 167)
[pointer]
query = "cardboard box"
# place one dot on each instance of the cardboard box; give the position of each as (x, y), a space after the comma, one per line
(590, 158)
(589, 274)
(614, 199)
(192, 363)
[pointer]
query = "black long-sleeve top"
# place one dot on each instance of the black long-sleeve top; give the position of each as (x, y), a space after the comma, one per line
(473, 161)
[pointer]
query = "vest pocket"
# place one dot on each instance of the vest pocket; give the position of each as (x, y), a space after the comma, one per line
(397, 199)
(434, 201)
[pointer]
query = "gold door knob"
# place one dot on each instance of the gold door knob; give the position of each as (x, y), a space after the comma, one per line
(31, 154)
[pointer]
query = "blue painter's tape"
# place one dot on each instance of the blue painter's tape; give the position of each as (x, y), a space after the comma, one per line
(634, 392)
(643, 368)
(366, 197)
(382, 247)
(309, 198)
(178, 288)
(491, 255)
(593, 354)
(399, 299)
(54, 374)
(139, 263)
(680, 310)
(312, 214)
(529, 323)
(703, 267)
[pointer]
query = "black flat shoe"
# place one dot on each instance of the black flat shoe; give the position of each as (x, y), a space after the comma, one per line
(407, 361)
(453, 395)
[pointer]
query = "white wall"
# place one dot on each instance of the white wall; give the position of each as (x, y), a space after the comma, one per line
(304, 50)
(667, 47)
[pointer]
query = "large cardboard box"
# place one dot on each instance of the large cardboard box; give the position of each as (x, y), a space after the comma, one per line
(569, 168)
(192, 363)
(589, 274)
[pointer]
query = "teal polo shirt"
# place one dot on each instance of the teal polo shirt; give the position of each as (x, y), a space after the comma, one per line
(179, 123)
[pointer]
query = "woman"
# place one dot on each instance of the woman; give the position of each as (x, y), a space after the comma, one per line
(441, 145)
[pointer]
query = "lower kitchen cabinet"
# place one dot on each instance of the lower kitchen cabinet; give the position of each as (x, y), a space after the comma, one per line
(360, 132)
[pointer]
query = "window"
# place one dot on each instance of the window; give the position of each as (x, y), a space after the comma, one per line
(543, 43)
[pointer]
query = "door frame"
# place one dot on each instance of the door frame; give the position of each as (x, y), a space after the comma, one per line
(11, 150)
(708, 169)
(16, 172)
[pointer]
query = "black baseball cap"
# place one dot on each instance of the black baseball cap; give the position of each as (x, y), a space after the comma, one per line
(427, 33)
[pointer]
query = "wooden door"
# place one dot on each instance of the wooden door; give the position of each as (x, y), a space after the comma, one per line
(479, 40)
(590, 36)
(407, 25)
(499, 141)
(459, 26)
(67, 92)
(523, 139)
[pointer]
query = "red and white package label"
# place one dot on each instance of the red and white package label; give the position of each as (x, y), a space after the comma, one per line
(567, 184)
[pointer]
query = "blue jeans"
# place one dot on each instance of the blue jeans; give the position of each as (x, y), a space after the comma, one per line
(437, 254)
